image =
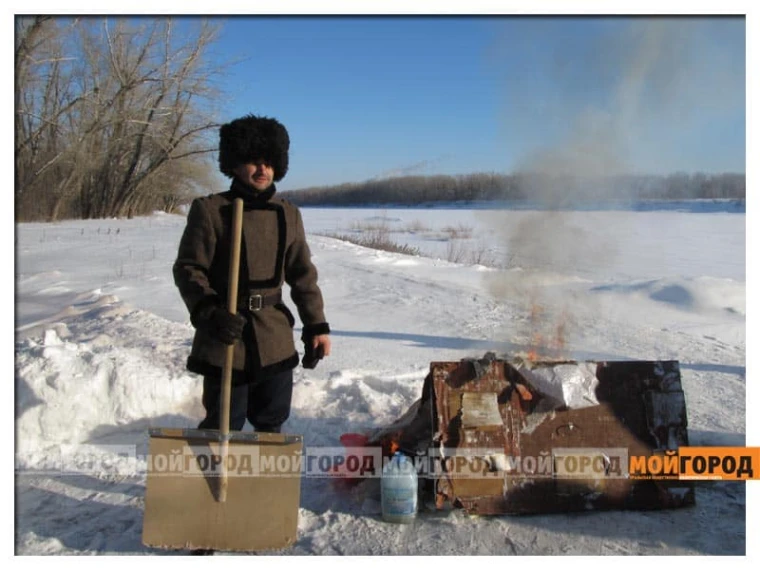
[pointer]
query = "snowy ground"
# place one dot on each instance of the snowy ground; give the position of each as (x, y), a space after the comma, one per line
(102, 338)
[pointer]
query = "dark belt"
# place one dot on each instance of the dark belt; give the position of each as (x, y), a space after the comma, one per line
(257, 302)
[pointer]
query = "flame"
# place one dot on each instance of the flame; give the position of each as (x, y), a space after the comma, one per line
(546, 345)
(536, 342)
(558, 343)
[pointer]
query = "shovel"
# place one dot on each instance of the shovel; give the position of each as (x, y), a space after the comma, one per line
(192, 472)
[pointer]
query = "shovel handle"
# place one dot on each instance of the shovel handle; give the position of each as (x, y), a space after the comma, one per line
(232, 293)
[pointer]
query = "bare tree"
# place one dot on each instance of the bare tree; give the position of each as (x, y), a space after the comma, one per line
(105, 108)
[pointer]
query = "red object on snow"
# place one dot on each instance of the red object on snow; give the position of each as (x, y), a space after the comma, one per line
(354, 440)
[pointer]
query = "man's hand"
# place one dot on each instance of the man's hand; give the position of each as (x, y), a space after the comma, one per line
(322, 342)
(316, 347)
(222, 325)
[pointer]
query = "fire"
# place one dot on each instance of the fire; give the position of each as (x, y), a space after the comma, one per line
(536, 342)
(546, 345)
(558, 342)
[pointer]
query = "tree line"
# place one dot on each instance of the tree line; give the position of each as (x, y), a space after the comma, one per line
(545, 188)
(112, 116)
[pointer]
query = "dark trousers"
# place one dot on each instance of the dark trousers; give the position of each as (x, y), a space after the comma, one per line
(265, 402)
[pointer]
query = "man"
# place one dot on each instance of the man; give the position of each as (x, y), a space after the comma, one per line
(253, 152)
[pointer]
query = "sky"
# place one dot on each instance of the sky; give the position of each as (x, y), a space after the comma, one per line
(368, 97)
(374, 96)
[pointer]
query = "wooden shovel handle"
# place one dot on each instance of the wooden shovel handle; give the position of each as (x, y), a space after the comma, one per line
(232, 293)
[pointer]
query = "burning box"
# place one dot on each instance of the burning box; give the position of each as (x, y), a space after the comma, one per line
(536, 437)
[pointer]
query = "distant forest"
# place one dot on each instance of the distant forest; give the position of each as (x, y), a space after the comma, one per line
(541, 188)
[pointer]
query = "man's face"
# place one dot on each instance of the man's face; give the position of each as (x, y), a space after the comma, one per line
(257, 174)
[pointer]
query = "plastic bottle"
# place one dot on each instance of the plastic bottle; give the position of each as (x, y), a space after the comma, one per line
(398, 490)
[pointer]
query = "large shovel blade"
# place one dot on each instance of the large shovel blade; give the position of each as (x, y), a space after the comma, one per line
(182, 510)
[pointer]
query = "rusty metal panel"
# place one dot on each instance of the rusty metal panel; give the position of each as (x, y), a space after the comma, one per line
(634, 408)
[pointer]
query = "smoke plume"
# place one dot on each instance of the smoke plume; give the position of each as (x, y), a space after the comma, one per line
(595, 110)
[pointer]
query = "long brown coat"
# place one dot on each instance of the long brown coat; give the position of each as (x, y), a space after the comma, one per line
(274, 251)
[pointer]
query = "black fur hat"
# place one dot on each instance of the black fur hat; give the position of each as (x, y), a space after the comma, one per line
(250, 138)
